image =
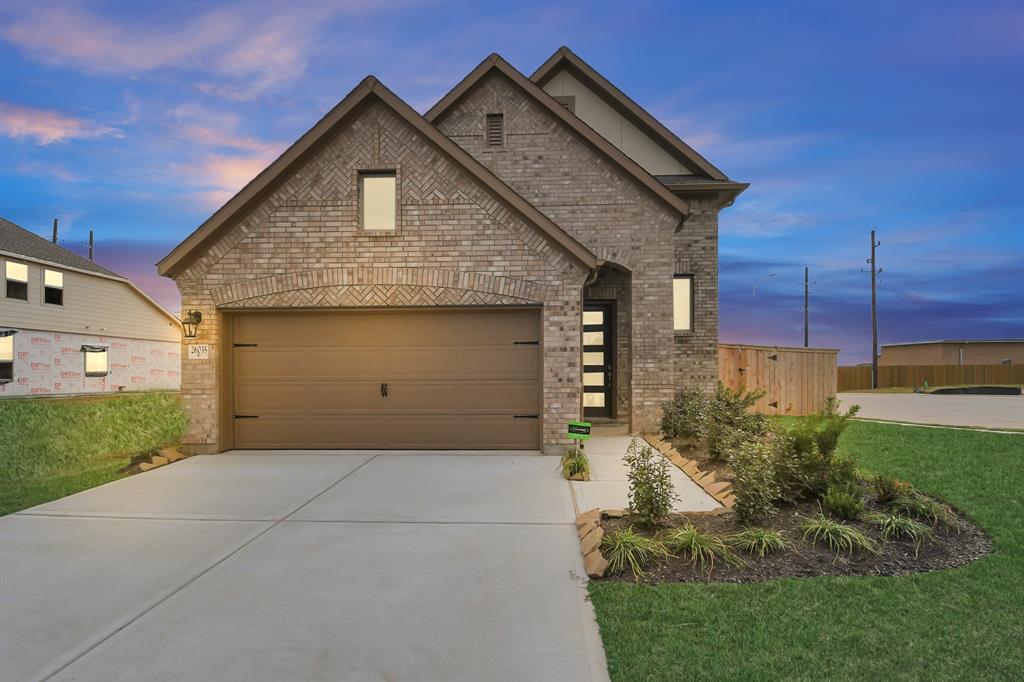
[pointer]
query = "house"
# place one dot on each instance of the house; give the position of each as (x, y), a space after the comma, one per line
(531, 250)
(954, 352)
(70, 326)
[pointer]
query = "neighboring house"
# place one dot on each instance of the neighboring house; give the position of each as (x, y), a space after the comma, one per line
(954, 352)
(530, 251)
(70, 326)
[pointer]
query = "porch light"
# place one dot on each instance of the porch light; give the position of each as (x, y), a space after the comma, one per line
(191, 322)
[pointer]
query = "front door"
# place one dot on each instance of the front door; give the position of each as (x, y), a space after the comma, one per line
(598, 359)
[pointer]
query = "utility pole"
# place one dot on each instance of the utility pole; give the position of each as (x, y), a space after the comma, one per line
(875, 271)
(806, 316)
(54, 230)
(91, 244)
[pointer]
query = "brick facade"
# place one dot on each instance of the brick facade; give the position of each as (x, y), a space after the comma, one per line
(457, 244)
(619, 221)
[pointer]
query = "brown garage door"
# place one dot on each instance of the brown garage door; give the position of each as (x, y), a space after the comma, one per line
(442, 378)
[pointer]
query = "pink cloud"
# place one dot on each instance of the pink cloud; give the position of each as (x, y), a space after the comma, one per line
(45, 126)
(198, 124)
(217, 177)
(53, 170)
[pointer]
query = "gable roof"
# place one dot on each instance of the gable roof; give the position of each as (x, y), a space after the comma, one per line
(314, 139)
(495, 63)
(19, 242)
(637, 115)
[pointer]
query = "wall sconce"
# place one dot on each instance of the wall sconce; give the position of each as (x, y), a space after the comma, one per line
(191, 322)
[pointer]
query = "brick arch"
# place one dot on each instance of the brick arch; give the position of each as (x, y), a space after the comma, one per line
(334, 287)
(625, 258)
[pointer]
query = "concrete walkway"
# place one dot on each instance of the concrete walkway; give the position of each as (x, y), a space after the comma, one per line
(282, 567)
(608, 487)
(987, 411)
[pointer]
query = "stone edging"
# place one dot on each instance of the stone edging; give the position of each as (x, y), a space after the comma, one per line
(588, 528)
(720, 490)
(166, 456)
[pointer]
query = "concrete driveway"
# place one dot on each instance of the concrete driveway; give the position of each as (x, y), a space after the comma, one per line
(303, 566)
(987, 411)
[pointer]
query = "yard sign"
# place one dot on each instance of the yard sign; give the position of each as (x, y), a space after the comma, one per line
(579, 430)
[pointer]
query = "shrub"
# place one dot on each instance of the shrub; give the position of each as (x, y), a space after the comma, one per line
(759, 542)
(626, 548)
(808, 466)
(919, 505)
(843, 474)
(575, 463)
(651, 492)
(688, 415)
(722, 419)
(888, 490)
(755, 483)
(723, 440)
(838, 536)
(898, 526)
(699, 547)
(842, 504)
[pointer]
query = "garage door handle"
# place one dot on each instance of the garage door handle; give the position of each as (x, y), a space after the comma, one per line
(246, 416)
(526, 416)
(526, 343)
(384, 390)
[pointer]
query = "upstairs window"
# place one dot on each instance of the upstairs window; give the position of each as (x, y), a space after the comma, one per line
(53, 287)
(378, 201)
(682, 303)
(17, 280)
(495, 130)
(6, 357)
(95, 361)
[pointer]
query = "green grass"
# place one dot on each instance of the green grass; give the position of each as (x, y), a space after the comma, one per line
(958, 624)
(51, 448)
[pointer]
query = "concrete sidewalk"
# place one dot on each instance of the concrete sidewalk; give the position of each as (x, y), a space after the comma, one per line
(303, 567)
(986, 411)
(608, 487)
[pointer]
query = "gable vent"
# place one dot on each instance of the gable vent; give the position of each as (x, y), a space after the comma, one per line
(567, 101)
(495, 129)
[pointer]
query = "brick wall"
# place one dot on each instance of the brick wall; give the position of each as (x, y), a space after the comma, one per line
(455, 245)
(606, 210)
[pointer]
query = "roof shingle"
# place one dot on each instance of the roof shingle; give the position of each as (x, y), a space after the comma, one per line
(16, 240)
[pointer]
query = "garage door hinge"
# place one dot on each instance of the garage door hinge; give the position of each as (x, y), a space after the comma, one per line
(526, 343)
(246, 416)
(526, 416)
(245, 345)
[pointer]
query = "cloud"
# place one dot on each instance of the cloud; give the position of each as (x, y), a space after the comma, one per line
(45, 126)
(48, 170)
(216, 178)
(196, 123)
(243, 50)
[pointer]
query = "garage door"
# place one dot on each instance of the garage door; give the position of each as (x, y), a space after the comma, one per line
(432, 379)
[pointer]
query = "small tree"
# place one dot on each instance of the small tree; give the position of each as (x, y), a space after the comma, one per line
(651, 492)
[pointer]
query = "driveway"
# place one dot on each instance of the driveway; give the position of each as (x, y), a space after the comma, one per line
(987, 411)
(303, 566)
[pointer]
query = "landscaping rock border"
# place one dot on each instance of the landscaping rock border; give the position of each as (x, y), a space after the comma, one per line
(720, 490)
(165, 456)
(588, 528)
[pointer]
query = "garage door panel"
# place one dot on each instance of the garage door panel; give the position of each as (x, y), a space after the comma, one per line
(510, 362)
(456, 379)
(273, 398)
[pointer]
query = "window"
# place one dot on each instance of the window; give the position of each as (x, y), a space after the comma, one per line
(17, 280)
(567, 101)
(682, 303)
(495, 130)
(53, 287)
(6, 357)
(95, 361)
(378, 200)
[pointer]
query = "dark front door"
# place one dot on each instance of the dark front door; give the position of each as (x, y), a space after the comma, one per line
(598, 359)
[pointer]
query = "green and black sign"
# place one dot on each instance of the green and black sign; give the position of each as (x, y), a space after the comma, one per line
(579, 430)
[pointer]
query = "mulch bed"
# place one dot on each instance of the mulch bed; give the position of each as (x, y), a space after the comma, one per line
(947, 548)
(699, 454)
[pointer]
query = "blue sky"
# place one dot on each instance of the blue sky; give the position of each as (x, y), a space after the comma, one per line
(139, 120)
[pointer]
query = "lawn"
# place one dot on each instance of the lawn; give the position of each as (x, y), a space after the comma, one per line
(51, 448)
(962, 623)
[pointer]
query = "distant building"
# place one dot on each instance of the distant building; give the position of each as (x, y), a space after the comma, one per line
(954, 352)
(70, 326)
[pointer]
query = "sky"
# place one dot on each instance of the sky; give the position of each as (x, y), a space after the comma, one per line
(138, 120)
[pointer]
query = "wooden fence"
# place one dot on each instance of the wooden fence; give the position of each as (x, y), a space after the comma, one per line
(796, 381)
(908, 376)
